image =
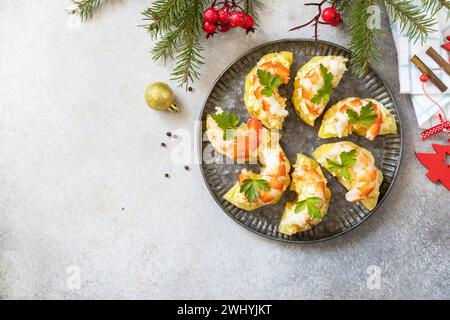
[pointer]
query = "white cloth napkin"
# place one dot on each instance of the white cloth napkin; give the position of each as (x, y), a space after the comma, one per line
(426, 111)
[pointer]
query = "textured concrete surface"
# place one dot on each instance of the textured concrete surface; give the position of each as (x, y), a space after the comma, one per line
(83, 195)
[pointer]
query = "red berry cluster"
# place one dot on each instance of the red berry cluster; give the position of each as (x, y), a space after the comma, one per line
(331, 16)
(225, 18)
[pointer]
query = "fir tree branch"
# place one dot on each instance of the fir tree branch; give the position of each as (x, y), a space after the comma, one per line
(365, 49)
(342, 5)
(177, 24)
(162, 15)
(85, 8)
(164, 49)
(433, 6)
(189, 58)
(414, 21)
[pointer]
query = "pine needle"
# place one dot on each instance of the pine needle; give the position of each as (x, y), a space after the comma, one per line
(86, 8)
(251, 7)
(365, 49)
(189, 58)
(163, 15)
(414, 21)
(433, 6)
(164, 49)
(177, 25)
(342, 5)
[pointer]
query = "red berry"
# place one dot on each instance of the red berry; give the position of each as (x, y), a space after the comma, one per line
(209, 27)
(337, 20)
(423, 78)
(248, 22)
(237, 18)
(448, 38)
(224, 14)
(224, 27)
(329, 15)
(211, 15)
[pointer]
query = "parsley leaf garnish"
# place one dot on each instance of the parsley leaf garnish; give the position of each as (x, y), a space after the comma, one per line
(348, 159)
(251, 187)
(312, 204)
(270, 82)
(323, 94)
(366, 116)
(227, 122)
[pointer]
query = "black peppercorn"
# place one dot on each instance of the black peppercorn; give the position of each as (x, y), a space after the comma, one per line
(186, 168)
(190, 89)
(168, 134)
(163, 144)
(166, 175)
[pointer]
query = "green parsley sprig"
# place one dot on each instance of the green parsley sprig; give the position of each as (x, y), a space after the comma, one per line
(323, 94)
(269, 81)
(366, 116)
(251, 187)
(313, 206)
(348, 159)
(227, 122)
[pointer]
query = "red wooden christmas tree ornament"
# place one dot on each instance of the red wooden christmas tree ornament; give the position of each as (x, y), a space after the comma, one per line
(439, 170)
(446, 46)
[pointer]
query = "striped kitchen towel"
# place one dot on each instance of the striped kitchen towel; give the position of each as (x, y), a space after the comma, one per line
(426, 111)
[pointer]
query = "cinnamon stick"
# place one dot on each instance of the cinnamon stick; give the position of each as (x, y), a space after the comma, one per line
(439, 60)
(425, 70)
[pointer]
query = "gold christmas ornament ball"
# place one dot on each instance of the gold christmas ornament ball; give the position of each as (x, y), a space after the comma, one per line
(160, 97)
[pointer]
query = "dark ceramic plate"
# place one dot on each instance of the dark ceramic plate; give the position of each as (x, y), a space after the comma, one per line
(228, 93)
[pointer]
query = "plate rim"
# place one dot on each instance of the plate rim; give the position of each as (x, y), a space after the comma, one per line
(200, 143)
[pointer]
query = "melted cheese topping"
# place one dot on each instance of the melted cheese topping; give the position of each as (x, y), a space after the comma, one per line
(271, 159)
(275, 107)
(341, 122)
(293, 219)
(335, 152)
(334, 65)
(337, 67)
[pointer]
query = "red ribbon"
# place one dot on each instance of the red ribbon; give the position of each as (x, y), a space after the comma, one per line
(444, 126)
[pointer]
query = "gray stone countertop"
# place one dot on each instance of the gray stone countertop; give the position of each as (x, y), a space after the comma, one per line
(85, 211)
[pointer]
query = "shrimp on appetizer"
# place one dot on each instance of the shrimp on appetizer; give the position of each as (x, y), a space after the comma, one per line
(262, 98)
(255, 190)
(365, 117)
(312, 200)
(237, 142)
(314, 84)
(355, 169)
